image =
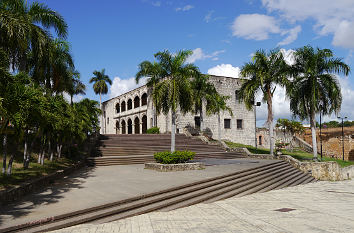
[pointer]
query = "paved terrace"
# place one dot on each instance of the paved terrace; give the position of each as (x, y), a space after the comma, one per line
(91, 187)
(316, 207)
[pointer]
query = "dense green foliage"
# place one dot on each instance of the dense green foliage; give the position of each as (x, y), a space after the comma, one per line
(290, 125)
(36, 71)
(153, 130)
(175, 157)
(335, 124)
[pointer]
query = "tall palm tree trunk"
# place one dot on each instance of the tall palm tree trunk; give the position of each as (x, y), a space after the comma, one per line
(270, 122)
(219, 128)
(101, 114)
(201, 118)
(313, 132)
(173, 132)
(4, 147)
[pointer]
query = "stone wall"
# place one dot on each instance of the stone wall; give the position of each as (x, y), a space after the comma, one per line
(279, 135)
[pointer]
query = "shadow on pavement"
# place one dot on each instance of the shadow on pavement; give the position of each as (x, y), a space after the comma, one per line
(47, 195)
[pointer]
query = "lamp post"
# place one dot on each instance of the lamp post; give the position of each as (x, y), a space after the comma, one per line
(257, 104)
(342, 118)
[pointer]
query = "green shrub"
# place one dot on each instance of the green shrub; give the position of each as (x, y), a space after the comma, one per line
(153, 130)
(167, 157)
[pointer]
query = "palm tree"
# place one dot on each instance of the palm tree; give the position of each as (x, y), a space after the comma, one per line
(315, 88)
(202, 90)
(216, 104)
(264, 72)
(153, 71)
(100, 86)
(75, 86)
(173, 89)
(25, 28)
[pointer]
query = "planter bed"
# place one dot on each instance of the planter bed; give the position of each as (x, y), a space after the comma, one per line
(174, 167)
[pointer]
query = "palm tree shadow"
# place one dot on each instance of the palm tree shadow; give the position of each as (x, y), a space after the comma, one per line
(46, 196)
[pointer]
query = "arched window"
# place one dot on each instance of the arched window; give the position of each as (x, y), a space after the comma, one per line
(144, 99)
(123, 127)
(130, 126)
(136, 125)
(136, 102)
(117, 108)
(144, 124)
(122, 106)
(130, 104)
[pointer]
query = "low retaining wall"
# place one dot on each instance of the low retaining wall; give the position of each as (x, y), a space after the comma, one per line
(319, 170)
(13, 194)
(174, 167)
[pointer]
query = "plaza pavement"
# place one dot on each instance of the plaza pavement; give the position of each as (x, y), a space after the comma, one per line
(315, 207)
(93, 186)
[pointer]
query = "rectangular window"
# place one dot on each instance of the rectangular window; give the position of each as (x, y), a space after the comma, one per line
(197, 122)
(237, 95)
(239, 124)
(107, 120)
(227, 123)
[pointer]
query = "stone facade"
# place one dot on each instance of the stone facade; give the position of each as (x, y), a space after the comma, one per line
(237, 128)
(279, 136)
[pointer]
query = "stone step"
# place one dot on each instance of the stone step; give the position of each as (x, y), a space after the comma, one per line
(258, 179)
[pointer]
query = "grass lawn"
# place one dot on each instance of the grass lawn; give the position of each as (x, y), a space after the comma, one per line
(305, 156)
(297, 154)
(251, 149)
(35, 170)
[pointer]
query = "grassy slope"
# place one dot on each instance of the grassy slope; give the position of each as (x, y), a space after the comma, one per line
(297, 154)
(35, 170)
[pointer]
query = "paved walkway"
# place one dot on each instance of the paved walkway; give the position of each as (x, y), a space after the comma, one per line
(96, 186)
(315, 207)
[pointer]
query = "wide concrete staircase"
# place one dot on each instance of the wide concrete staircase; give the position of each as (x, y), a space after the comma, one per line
(139, 148)
(275, 175)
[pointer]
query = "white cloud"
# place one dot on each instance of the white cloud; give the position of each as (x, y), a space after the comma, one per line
(331, 17)
(121, 86)
(157, 3)
(288, 56)
(185, 8)
(292, 35)
(226, 70)
(198, 54)
(76, 98)
(207, 18)
(254, 26)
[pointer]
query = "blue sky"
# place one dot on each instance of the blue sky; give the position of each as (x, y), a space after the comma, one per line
(118, 35)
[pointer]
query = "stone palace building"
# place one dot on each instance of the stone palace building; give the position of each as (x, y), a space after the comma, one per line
(132, 113)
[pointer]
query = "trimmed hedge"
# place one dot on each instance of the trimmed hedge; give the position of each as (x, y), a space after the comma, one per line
(153, 130)
(166, 157)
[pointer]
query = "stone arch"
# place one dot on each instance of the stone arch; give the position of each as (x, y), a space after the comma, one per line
(123, 127)
(136, 125)
(144, 124)
(136, 102)
(130, 104)
(130, 126)
(122, 106)
(144, 99)
(117, 108)
(117, 127)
